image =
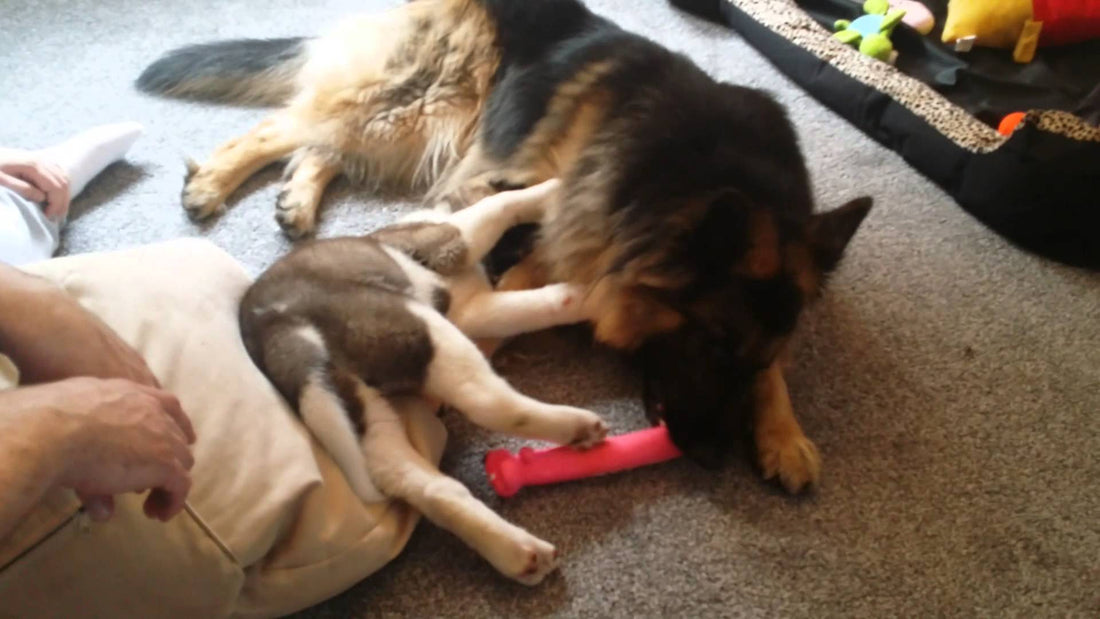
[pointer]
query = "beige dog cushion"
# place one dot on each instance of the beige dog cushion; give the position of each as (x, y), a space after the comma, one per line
(267, 503)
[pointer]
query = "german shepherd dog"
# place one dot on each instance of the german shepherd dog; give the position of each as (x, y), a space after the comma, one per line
(354, 331)
(686, 210)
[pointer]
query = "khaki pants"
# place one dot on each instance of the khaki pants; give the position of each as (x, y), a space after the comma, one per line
(271, 527)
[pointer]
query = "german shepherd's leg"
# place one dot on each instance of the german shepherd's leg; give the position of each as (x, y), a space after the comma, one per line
(460, 375)
(781, 447)
(208, 185)
(401, 472)
(309, 173)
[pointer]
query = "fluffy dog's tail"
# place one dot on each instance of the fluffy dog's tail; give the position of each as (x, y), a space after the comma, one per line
(242, 71)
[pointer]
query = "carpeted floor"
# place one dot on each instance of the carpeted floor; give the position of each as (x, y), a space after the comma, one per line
(951, 381)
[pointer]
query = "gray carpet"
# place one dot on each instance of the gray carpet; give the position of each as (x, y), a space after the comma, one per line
(951, 381)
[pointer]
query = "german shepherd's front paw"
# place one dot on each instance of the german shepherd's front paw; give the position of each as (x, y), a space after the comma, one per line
(296, 213)
(201, 196)
(792, 458)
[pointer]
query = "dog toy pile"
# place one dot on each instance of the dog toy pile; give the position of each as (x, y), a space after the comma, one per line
(509, 473)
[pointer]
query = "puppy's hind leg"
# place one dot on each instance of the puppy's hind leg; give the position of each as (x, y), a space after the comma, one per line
(208, 185)
(401, 472)
(459, 375)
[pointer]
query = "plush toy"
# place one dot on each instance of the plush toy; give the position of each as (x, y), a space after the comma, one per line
(1020, 25)
(917, 16)
(871, 32)
(509, 472)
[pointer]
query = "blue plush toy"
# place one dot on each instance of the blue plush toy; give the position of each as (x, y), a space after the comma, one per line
(871, 31)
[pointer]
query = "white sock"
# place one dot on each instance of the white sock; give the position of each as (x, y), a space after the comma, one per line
(84, 155)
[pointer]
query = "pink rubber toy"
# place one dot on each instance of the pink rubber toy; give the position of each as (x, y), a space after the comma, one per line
(509, 472)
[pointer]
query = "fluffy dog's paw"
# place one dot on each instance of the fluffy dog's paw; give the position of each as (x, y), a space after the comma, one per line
(792, 458)
(296, 215)
(200, 197)
(525, 558)
(200, 201)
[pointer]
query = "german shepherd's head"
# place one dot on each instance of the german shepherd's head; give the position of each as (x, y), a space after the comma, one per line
(748, 272)
(716, 249)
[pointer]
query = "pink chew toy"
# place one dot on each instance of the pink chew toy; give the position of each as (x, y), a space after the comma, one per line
(509, 472)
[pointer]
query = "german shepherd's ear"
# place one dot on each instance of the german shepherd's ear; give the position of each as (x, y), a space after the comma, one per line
(830, 232)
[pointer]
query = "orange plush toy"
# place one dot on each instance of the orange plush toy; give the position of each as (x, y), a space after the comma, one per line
(1022, 25)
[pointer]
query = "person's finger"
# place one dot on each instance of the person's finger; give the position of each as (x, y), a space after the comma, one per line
(164, 502)
(171, 405)
(182, 451)
(23, 188)
(55, 186)
(99, 507)
(31, 173)
(58, 206)
(56, 190)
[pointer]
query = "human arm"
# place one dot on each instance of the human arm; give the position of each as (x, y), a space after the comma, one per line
(49, 336)
(98, 437)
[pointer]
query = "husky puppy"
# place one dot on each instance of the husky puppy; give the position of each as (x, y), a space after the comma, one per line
(349, 328)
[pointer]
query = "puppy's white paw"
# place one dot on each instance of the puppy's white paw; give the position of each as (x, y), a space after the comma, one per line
(523, 557)
(587, 428)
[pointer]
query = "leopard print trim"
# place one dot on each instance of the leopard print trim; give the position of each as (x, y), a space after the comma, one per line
(786, 19)
(1064, 123)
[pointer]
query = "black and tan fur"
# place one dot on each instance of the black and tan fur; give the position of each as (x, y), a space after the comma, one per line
(686, 213)
(357, 331)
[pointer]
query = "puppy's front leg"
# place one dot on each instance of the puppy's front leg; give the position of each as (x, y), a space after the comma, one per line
(483, 223)
(509, 313)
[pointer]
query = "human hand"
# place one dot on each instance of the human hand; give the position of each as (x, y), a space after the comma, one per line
(54, 338)
(36, 179)
(122, 437)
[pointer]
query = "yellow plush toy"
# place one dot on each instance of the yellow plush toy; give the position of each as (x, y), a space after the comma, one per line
(1022, 25)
